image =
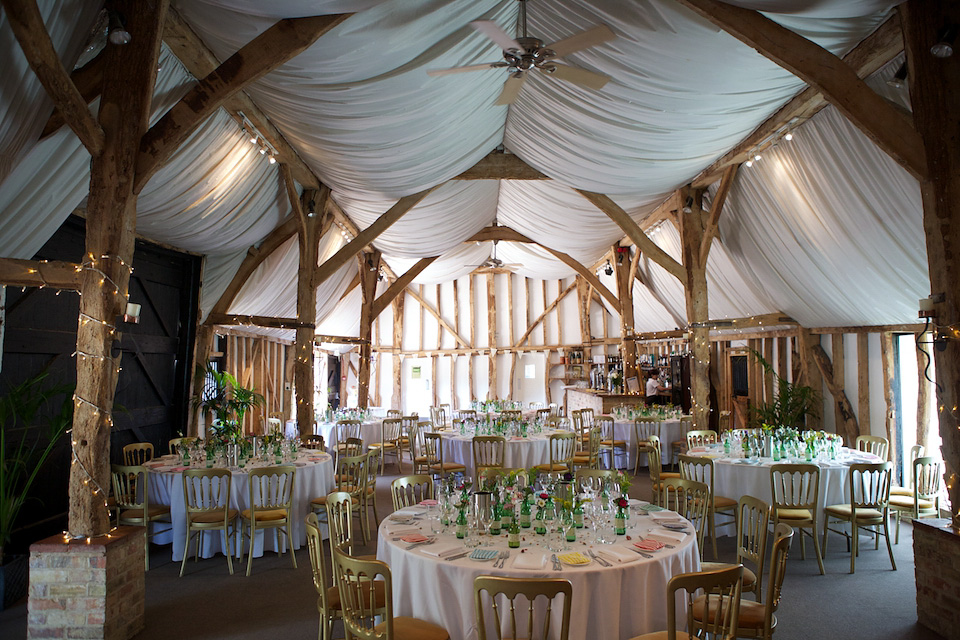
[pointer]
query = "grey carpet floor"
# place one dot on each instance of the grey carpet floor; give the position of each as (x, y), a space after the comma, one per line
(278, 601)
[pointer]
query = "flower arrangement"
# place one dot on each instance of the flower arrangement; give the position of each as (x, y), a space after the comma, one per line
(621, 503)
(623, 479)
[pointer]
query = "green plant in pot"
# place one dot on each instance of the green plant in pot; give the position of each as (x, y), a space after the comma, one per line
(791, 405)
(228, 401)
(33, 418)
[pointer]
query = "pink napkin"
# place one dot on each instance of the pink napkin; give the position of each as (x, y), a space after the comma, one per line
(649, 545)
(179, 468)
(414, 538)
(428, 503)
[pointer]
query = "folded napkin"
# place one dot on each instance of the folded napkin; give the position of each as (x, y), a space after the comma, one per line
(414, 538)
(651, 508)
(648, 545)
(178, 468)
(666, 537)
(428, 503)
(531, 560)
(617, 555)
(697, 450)
(395, 529)
(411, 512)
(300, 464)
(665, 516)
(442, 550)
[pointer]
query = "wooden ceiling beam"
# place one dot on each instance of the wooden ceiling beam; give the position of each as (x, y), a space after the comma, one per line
(498, 165)
(496, 233)
(283, 41)
(368, 235)
(257, 321)
(27, 25)
(89, 81)
(200, 62)
(255, 256)
(634, 232)
(716, 208)
(825, 72)
(40, 273)
(876, 50)
(398, 285)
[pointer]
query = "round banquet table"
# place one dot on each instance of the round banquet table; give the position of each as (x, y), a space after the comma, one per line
(314, 478)
(619, 601)
(737, 477)
(671, 429)
(518, 453)
(371, 431)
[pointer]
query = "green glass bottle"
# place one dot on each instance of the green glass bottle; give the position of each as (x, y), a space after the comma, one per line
(462, 525)
(513, 535)
(540, 527)
(525, 514)
(495, 521)
(578, 516)
(620, 522)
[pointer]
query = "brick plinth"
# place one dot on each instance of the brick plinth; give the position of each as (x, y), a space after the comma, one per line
(936, 550)
(81, 589)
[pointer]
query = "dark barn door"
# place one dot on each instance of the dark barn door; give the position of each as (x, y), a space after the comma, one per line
(155, 365)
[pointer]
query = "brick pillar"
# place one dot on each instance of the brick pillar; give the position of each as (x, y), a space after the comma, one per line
(936, 549)
(88, 588)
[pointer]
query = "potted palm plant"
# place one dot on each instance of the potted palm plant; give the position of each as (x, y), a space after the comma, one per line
(28, 434)
(228, 401)
(791, 402)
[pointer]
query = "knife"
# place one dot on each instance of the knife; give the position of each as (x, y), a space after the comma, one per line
(458, 556)
(643, 553)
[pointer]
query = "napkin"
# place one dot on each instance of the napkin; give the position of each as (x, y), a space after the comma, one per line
(411, 512)
(396, 529)
(442, 550)
(651, 508)
(428, 503)
(179, 468)
(617, 555)
(414, 538)
(665, 516)
(648, 545)
(532, 560)
(666, 537)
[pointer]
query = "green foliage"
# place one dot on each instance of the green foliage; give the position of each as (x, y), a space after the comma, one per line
(22, 456)
(228, 402)
(791, 402)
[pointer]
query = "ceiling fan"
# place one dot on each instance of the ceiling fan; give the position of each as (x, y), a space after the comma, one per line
(494, 263)
(526, 54)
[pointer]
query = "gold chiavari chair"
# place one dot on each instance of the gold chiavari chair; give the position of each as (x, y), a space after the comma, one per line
(796, 495)
(131, 489)
(520, 591)
(753, 520)
(410, 490)
(206, 498)
(703, 470)
(271, 507)
(137, 453)
(869, 508)
(562, 447)
(488, 452)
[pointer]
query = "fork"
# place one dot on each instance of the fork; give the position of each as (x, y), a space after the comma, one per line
(602, 561)
(556, 563)
(498, 563)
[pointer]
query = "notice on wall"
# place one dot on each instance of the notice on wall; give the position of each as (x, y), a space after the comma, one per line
(415, 373)
(530, 371)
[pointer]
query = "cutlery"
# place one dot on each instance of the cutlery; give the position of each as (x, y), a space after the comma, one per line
(643, 553)
(458, 556)
(601, 561)
(417, 544)
(665, 545)
(502, 559)
(556, 563)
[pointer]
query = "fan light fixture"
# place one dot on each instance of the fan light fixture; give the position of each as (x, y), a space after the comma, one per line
(525, 53)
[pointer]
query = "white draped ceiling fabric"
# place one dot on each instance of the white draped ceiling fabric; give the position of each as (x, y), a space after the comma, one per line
(826, 228)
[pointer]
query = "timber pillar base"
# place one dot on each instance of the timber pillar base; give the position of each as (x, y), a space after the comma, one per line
(81, 589)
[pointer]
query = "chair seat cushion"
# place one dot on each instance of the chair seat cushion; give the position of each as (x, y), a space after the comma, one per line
(265, 515)
(751, 613)
(614, 443)
(668, 474)
(844, 511)
(662, 635)
(155, 511)
(904, 502)
(213, 517)
(722, 502)
(405, 628)
(551, 467)
(793, 514)
(447, 466)
(901, 491)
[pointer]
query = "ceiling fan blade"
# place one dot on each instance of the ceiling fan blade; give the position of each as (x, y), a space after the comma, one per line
(582, 40)
(511, 88)
(578, 76)
(472, 67)
(493, 31)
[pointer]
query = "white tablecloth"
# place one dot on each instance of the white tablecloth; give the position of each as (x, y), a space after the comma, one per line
(620, 601)
(314, 478)
(518, 453)
(370, 430)
(670, 430)
(736, 477)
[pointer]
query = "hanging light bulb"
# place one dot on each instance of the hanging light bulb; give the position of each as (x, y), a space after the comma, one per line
(749, 163)
(117, 29)
(789, 136)
(272, 159)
